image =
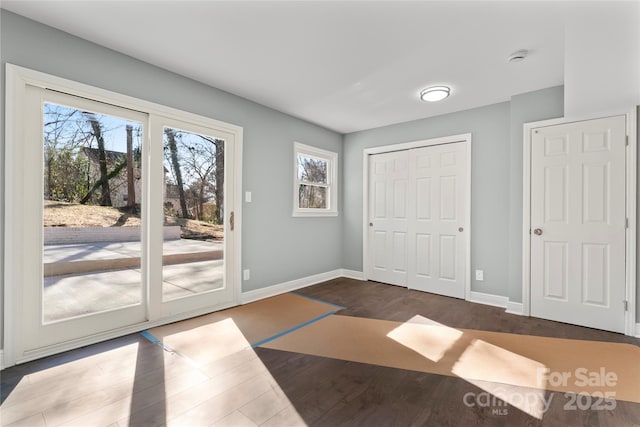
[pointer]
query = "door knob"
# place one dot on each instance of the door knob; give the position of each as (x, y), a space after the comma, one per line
(460, 229)
(537, 232)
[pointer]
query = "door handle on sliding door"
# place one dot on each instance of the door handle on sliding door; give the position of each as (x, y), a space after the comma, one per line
(232, 221)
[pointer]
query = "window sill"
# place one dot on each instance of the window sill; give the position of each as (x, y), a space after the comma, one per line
(318, 213)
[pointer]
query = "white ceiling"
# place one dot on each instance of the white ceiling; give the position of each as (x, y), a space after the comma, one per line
(348, 65)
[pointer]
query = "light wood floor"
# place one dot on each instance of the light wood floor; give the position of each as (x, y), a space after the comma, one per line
(130, 381)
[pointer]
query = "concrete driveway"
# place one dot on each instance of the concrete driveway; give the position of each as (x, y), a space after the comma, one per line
(102, 288)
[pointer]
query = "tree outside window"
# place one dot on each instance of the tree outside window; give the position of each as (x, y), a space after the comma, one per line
(315, 181)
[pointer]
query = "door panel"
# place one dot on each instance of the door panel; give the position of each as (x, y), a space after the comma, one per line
(448, 257)
(380, 199)
(595, 280)
(423, 198)
(555, 202)
(194, 196)
(555, 270)
(578, 215)
(196, 272)
(595, 208)
(400, 198)
(81, 282)
(438, 193)
(423, 255)
(380, 253)
(399, 252)
(448, 197)
(388, 186)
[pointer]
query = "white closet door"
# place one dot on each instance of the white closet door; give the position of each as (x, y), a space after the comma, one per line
(437, 206)
(388, 220)
(417, 214)
(578, 223)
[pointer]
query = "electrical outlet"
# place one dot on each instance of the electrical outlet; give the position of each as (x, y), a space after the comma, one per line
(246, 274)
(479, 275)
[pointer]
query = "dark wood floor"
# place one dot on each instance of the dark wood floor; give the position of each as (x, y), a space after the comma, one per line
(387, 302)
(129, 381)
(332, 392)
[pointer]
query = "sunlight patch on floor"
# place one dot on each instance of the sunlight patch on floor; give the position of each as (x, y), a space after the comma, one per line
(489, 367)
(487, 362)
(428, 338)
(175, 381)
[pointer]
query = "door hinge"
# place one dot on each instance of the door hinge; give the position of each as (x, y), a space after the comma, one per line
(626, 223)
(626, 305)
(627, 141)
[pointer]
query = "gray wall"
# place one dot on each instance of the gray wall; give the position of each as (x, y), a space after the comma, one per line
(525, 108)
(490, 171)
(276, 246)
(272, 246)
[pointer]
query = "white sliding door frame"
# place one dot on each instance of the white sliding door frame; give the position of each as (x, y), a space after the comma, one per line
(465, 138)
(631, 211)
(18, 79)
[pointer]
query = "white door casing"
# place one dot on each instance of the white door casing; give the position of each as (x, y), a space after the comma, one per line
(417, 234)
(578, 215)
(437, 206)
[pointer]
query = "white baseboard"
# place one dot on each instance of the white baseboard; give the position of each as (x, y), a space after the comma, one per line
(488, 299)
(637, 330)
(292, 285)
(352, 274)
(515, 308)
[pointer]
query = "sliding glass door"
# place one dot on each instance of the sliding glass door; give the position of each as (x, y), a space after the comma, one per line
(192, 184)
(86, 189)
(124, 220)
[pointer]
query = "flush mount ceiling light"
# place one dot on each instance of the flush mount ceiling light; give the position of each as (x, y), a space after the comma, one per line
(435, 93)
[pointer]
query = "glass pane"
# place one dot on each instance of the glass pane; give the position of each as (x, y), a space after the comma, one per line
(312, 197)
(92, 193)
(312, 170)
(193, 257)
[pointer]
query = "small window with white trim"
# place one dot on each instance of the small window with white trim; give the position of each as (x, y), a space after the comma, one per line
(315, 181)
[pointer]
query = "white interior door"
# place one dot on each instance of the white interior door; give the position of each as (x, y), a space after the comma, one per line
(578, 223)
(418, 211)
(438, 208)
(388, 219)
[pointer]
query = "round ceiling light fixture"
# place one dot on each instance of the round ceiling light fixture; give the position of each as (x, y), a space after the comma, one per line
(435, 93)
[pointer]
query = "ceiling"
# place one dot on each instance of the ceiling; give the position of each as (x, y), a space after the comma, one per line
(347, 65)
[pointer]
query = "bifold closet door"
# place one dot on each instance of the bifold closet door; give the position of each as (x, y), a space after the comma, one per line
(437, 206)
(417, 218)
(388, 217)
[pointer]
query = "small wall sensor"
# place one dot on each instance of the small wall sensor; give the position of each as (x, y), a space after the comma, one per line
(518, 56)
